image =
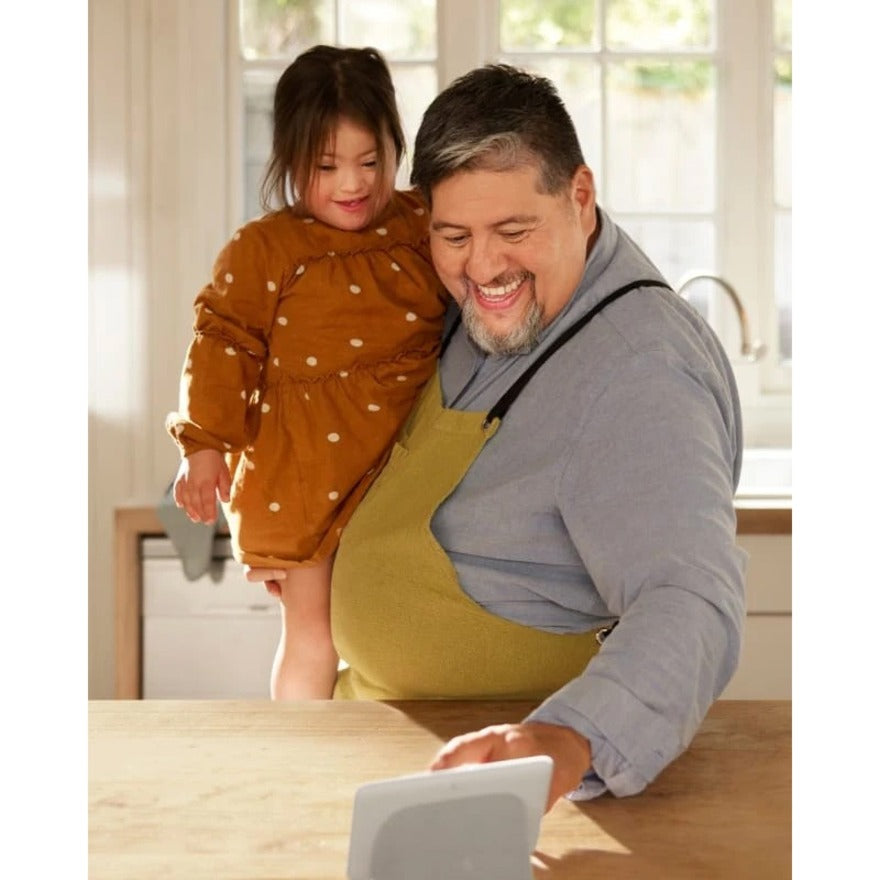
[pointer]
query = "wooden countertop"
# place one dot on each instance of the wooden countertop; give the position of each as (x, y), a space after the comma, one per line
(259, 790)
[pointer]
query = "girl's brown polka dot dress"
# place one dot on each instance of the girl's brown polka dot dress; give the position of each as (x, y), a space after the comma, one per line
(310, 347)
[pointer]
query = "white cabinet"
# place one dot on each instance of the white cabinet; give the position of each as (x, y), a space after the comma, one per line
(764, 671)
(211, 638)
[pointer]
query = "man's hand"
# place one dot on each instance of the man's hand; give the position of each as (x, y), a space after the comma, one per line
(569, 750)
(201, 478)
(270, 578)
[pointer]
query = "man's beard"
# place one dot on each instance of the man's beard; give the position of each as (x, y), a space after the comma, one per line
(519, 340)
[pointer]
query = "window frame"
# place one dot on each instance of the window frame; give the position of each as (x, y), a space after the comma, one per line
(468, 35)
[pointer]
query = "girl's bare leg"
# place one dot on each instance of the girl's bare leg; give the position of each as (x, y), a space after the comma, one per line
(305, 662)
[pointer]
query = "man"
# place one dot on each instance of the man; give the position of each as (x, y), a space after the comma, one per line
(570, 470)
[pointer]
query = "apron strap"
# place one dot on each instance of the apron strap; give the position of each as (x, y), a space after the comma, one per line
(500, 409)
(448, 338)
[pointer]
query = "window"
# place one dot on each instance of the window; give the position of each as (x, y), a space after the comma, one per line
(273, 32)
(683, 108)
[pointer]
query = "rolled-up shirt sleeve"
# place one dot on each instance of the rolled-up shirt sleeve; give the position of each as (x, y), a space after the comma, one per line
(647, 498)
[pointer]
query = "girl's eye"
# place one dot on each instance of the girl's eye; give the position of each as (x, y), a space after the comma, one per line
(371, 164)
(325, 167)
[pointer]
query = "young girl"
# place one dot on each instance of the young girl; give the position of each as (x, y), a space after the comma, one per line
(320, 326)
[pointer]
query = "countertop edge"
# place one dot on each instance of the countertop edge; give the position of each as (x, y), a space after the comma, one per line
(753, 517)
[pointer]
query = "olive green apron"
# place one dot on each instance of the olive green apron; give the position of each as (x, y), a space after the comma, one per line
(399, 616)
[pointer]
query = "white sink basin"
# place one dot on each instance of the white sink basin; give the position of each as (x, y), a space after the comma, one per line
(766, 473)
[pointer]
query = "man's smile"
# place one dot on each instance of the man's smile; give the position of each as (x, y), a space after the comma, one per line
(501, 294)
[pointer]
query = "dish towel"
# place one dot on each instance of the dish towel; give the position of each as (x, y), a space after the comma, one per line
(194, 542)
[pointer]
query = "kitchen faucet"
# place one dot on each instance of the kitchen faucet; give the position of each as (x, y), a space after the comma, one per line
(751, 349)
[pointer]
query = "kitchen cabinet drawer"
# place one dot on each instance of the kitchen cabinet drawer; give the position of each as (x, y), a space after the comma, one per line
(210, 638)
(768, 573)
(764, 671)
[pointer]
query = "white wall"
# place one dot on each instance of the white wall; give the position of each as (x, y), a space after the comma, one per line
(157, 216)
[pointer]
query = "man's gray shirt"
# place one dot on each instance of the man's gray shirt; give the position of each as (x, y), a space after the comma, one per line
(607, 493)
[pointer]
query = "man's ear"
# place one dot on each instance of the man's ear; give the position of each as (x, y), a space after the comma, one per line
(583, 197)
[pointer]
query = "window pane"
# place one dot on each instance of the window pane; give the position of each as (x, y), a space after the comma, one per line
(284, 28)
(578, 81)
(397, 28)
(259, 91)
(676, 247)
(415, 85)
(661, 136)
(655, 24)
(782, 24)
(783, 282)
(782, 133)
(547, 24)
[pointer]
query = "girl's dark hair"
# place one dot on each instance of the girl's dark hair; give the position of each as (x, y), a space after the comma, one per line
(320, 87)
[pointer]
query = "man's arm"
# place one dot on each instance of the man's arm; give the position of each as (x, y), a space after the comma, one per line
(647, 497)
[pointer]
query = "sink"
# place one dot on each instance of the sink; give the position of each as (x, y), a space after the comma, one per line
(766, 473)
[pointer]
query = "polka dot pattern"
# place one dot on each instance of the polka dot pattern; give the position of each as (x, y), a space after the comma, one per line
(349, 317)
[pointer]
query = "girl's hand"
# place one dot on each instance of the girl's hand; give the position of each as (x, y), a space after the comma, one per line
(201, 477)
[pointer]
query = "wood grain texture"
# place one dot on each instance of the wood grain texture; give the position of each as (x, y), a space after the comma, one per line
(259, 790)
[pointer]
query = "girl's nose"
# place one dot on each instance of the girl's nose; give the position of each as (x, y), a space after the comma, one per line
(351, 179)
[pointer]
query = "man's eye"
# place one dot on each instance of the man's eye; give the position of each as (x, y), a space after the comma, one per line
(516, 235)
(455, 240)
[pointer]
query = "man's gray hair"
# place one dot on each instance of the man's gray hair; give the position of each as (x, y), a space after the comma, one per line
(497, 117)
